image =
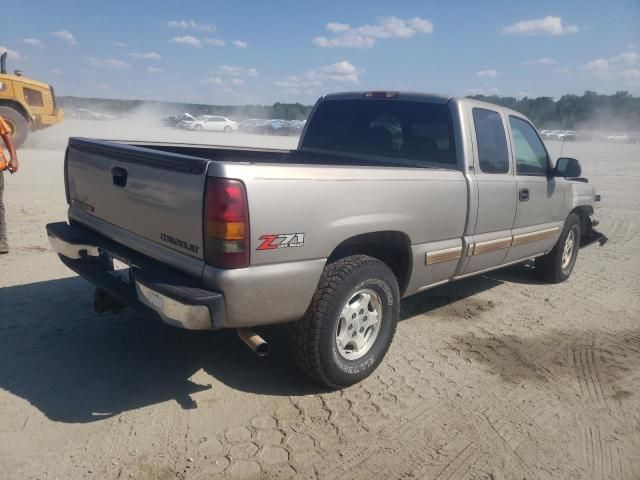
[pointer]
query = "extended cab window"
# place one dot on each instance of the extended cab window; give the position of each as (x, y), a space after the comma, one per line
(388, 128)
(531, 156)
(492, 141)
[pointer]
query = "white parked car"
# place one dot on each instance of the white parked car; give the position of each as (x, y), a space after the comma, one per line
(215, 124)
(556, 134)
(567, 135)
(186, 122)
(618, 138)
(550, 134)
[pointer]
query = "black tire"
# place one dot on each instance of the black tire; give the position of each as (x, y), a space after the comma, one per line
(313, 337)
(17, 123)
(552, 268)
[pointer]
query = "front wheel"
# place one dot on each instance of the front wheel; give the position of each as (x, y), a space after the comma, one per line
(350, 323)
(227, 129)
(18, 126)
(198, 128)
(557, 265)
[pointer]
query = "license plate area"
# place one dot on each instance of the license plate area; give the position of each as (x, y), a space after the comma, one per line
(121, 268)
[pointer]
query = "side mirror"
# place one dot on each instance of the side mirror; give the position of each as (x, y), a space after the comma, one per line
(568, 168)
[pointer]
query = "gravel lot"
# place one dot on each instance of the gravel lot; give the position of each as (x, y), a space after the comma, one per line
(494, 377)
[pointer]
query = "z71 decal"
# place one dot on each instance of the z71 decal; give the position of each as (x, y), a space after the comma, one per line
(283, 240)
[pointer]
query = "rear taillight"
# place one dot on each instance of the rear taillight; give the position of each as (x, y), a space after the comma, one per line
(226, 224)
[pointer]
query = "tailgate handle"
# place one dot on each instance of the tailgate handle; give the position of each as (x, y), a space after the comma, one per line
(119, 176)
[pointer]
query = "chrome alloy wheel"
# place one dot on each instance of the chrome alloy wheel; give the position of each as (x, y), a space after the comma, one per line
(359, 324)
(567, 251)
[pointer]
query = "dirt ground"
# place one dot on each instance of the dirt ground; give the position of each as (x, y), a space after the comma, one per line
(494, 377)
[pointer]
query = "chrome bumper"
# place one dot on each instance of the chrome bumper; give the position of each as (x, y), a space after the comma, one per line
(189, 308)
(173, 312)
(72, 251)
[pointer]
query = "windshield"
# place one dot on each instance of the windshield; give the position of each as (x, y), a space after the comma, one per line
(386, 128)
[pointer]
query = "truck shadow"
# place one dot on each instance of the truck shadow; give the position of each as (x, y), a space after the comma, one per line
(77, 366)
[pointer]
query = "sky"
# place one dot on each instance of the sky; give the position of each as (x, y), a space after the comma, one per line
(260, 52)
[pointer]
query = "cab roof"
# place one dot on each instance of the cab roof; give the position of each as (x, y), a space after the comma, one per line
(15, 78)
(412, 96)
(421, 97)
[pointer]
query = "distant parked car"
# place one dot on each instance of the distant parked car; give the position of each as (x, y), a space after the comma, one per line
(276, 127)
(568, 136)
(174, 120)
(86, 114)
(618, 138)
(251, 125)
(548, 134)
(187, 122)
(214, 124)
(297, 126)
(170, 121)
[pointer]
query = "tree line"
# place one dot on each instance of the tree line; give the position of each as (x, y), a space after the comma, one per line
(591, 111)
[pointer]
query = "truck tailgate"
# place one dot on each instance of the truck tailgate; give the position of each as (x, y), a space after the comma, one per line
(149, 193)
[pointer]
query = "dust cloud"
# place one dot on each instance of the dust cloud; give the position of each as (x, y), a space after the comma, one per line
(144, 123)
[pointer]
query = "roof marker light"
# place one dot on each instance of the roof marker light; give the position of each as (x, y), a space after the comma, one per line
(381, 94)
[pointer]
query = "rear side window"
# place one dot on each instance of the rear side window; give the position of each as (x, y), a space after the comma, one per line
(531, 156)
(491, 140)
(387, 128)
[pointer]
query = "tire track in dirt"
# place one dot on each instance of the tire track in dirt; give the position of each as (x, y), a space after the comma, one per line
(461, 463)
(622, 230)
(586, 370)
(603, 457)
(622, 340)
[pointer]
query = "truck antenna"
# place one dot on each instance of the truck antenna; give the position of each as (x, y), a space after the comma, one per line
(566, 122)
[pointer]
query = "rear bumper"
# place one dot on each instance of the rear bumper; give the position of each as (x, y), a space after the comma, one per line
(176, 298)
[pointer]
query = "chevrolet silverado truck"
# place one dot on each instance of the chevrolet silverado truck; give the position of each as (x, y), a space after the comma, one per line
(388, 194)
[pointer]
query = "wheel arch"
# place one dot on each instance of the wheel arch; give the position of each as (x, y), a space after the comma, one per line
(18, 107)
(583, 212)
(391, 247)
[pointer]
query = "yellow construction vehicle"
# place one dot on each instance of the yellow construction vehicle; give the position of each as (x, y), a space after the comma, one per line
(26, 104)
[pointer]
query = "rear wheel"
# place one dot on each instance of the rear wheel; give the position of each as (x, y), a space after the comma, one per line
(17, 124)
(350, 323)
(557, 265)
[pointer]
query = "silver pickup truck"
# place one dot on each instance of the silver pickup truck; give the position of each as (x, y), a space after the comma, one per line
(388, 194)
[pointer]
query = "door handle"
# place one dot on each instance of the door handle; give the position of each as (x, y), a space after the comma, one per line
(523, 194)
(119, 176)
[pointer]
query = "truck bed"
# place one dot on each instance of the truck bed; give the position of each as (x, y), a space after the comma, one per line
(221, 153)
(149, 196)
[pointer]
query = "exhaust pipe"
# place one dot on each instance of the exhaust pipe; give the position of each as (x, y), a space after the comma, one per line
(3, 63)
(254, 341)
